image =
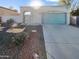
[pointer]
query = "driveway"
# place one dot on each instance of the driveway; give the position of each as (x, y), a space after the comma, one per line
(61, 41)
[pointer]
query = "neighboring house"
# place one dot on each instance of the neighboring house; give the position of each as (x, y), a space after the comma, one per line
(45, 15)
(6, 13)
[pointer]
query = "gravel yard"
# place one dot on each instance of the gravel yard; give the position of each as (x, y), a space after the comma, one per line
(34, 44)
(32, 47)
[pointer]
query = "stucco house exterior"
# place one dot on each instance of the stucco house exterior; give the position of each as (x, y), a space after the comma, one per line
(45, 15)
(7, 13)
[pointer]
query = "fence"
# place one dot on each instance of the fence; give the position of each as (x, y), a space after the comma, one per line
(17, 19)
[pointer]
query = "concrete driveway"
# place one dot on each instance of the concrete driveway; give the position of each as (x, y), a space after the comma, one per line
(61, 41)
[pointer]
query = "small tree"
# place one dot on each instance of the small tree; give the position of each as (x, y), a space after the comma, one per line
(65, 2)
(10, 22)
(0, 21)
(75, 12)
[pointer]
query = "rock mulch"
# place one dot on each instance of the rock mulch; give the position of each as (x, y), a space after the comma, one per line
(33, 47)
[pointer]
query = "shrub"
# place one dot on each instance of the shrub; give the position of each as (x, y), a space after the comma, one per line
(10, 22)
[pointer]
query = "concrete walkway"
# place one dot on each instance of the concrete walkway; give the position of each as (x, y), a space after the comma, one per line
(61, 41)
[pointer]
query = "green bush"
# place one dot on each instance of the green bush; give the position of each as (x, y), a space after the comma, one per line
(19, 39)
(10, 22)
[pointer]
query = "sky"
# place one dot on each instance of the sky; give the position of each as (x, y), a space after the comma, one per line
(16, 4)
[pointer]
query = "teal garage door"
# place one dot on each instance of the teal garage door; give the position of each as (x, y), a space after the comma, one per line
(54, 18)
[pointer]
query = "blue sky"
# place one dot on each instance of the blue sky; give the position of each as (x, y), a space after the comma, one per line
(17, 3)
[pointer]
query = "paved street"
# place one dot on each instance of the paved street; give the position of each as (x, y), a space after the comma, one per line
(61, 41)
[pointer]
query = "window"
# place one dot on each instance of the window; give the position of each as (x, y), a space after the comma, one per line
(27, 13)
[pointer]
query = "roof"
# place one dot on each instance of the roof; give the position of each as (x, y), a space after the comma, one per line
(8, 9)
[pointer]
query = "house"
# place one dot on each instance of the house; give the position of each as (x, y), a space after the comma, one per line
(7, 13)
(45, 15)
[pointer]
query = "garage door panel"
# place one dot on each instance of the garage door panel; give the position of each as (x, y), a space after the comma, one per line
(54, 18)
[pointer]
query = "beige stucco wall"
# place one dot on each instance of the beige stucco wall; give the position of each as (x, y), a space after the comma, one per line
(36, 16)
